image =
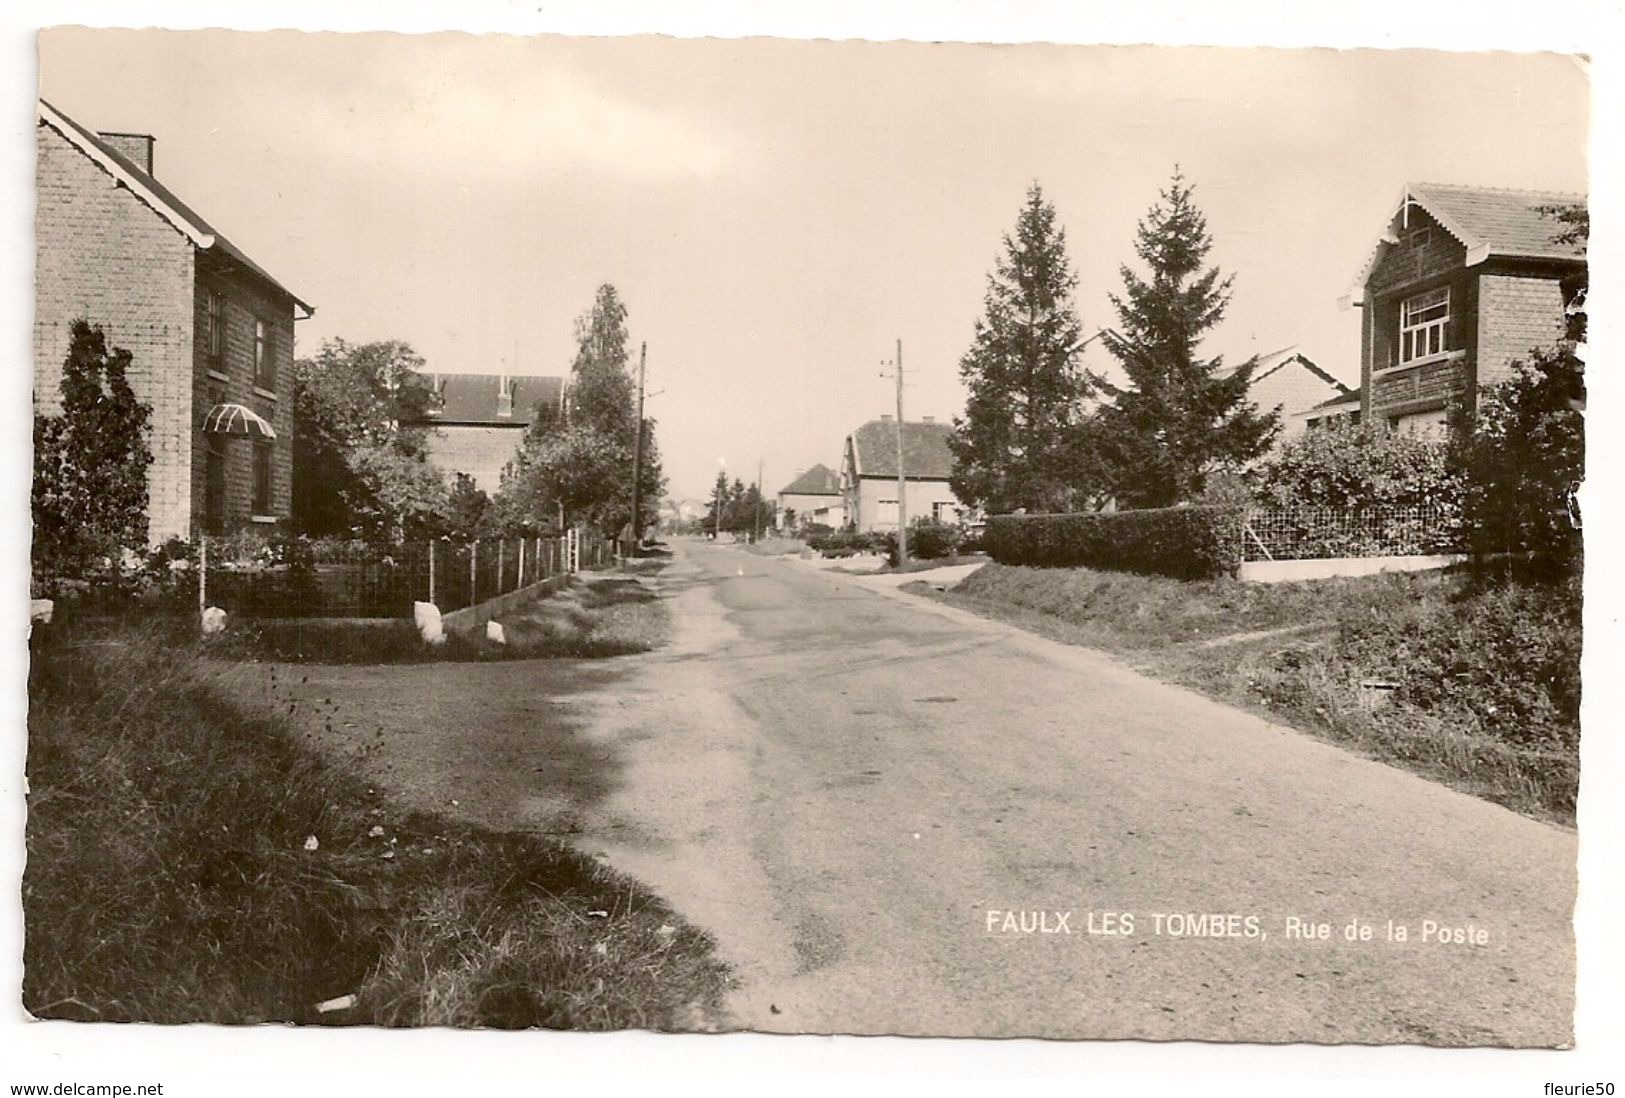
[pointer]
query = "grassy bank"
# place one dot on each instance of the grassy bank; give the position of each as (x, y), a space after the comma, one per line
(1474, 684)
(608, 615)
(188, 860)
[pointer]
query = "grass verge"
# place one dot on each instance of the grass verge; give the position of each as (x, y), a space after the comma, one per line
(1473, 684)
(605, 616)
(189, 860)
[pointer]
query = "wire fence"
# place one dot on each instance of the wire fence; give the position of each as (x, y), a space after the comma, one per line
(296, 578)
(1318, 533)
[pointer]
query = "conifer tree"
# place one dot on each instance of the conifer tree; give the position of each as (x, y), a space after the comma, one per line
(90, 466)
(1018, 444)
(1180, 416)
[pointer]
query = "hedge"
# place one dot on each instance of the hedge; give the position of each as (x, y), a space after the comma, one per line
(1183, 542)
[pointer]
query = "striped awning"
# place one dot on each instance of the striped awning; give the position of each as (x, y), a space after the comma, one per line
(236, 420)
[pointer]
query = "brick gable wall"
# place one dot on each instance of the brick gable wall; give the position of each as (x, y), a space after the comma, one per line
(104, 255)
(1515, 315)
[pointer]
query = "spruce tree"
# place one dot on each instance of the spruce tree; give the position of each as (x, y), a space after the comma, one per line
(1018, 444)
(1180, 416)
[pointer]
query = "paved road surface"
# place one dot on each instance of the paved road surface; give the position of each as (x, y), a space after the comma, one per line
(845, 785)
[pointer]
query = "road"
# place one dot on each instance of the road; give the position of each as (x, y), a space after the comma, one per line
(853, 790)
(843, 784)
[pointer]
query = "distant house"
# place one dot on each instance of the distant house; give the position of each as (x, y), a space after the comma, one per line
(210, 331)
(869, 474)
(814, 496)
(1345, 406)
(1289, 383)
(480, 420)
(1463, 281)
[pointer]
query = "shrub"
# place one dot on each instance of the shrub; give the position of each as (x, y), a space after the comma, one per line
(1526, 457)
(1353, 466)
(933, 540)
(1182, 542)
(1507, 655)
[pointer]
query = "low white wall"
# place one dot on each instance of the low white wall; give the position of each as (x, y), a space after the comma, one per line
(1282, 571)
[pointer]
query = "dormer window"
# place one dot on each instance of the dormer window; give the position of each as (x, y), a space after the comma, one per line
(1422, 321)
(505, 397)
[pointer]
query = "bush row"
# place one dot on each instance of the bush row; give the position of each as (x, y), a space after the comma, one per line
(846, 543)
(1182, 542)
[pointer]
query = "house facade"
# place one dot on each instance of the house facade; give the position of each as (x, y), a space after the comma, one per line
(1289, 383)
(210, 332)
(869, 474)
(814, 496)
(1463, 282)
(479, 420)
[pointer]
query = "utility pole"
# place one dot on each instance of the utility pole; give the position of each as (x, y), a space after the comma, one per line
(637, 458)
(902, 476)
(756, 519)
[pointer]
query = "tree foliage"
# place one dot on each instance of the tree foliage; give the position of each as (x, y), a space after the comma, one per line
(1523, 455)
(90, 466)
(1017, 445)
(360, 464)
(581, 461)
(1349, 466)
(1181, 416)
(1525, 458)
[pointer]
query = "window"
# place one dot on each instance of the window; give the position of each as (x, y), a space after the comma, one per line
(214, 491)
(214, 329)
(262, 478)
(1421, 324)
(1422, 237)
(943, 512)
(1434, 424)
(264, 356)
(886, 513)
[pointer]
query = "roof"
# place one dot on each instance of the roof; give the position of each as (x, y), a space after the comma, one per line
(1276, 361)
(1352, 396)
(1487, 221)
(925, 450)
(473, 398)
(820, 480)
(164, 201)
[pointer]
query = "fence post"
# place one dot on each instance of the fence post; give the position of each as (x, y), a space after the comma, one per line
(502, 573)
(473, 572)
(431, 571)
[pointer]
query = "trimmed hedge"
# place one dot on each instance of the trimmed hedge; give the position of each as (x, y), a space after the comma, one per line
(1189, 543)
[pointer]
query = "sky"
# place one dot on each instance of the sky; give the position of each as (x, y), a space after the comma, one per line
(777, 215)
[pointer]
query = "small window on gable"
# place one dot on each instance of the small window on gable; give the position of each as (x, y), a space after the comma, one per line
(1421, 236)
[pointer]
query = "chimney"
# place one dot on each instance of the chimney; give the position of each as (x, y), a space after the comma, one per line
(885, 419)
(928, 419)
(134, 147)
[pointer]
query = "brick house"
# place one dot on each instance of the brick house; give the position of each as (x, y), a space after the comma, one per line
(480, 420)
(869, 474)
(815, 496)
(1289, 383)
(1464, 281)
(210, 332)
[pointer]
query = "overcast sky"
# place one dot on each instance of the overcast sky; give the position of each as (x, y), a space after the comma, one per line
(777, 214)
